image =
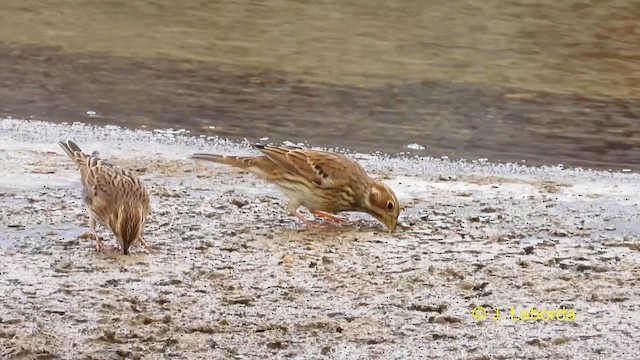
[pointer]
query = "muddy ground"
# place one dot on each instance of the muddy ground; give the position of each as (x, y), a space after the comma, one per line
(230, 276)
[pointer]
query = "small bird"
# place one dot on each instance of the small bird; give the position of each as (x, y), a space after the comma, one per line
(323, 182)
(114, 197)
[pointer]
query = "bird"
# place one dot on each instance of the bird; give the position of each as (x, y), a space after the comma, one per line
(321, 181)
(113, 196)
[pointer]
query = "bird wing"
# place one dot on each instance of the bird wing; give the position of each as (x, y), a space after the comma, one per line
(112, 183)
(106, 186)
(325, 169)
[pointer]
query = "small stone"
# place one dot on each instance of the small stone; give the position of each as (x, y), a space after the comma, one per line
(109, 336)
(192, 235)
(43, 170)
(466, 285)
(239, 202)
(560, 340)
(63, 267)
(429, 308)
(287, 261)
(276, 345)
(56, 311)
(11, 319)
(535, 341)
(445, 319)
(448, 178)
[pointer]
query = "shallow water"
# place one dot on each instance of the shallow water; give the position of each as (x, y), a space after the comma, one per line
(541, 81)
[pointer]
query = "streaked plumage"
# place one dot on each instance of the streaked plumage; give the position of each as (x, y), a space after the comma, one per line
(114, 197)
(323, 182)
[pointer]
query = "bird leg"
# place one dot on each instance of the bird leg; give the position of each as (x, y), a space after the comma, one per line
(92, 224)
(292, 208)
(308, 223)
(142, 242)
(329, 217)
(99, 245)
(336, 219)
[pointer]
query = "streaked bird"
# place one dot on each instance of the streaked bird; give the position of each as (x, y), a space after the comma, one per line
(114, 197)
(323, 182)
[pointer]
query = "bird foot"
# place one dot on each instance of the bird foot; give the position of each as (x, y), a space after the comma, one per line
(332, 218)
(311, 224)
(338, 220)
(142, 242)
(101, 247)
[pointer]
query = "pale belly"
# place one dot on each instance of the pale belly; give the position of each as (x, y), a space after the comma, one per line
(318, 199)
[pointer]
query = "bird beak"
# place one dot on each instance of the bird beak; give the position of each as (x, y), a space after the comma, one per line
(390, 223)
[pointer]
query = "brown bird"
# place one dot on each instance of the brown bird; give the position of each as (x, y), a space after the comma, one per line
(114, 197)
(321, 181)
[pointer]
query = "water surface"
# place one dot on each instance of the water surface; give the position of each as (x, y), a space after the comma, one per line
(537, 80)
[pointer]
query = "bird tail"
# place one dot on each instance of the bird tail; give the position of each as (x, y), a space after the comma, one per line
(73, 151)
(70, 148)
(242, 162)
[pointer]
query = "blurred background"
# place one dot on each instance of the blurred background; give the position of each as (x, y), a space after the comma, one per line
(549, 82)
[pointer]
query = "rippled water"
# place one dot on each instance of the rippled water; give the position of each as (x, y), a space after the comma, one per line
(549, 82)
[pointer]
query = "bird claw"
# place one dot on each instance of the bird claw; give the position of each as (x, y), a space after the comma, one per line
(333, 220)
(338, 220)
(100, 247)
(143, 243)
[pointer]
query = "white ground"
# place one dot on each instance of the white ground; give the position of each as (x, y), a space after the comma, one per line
(229, 275)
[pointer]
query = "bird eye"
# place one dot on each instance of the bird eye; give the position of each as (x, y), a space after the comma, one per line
(389, 205)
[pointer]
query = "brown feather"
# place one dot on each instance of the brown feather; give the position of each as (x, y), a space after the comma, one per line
(318, 180)
(323, 168)
(114, 197)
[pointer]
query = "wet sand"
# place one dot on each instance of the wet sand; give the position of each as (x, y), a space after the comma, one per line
(229, 275)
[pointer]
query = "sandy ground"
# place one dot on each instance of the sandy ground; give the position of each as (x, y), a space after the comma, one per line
(230, 276)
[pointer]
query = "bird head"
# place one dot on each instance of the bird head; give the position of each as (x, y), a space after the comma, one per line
(129, 226)
(383, 204)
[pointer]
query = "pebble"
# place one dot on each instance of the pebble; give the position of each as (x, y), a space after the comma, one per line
(11, 319)
(448, 178)
(466, 285)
